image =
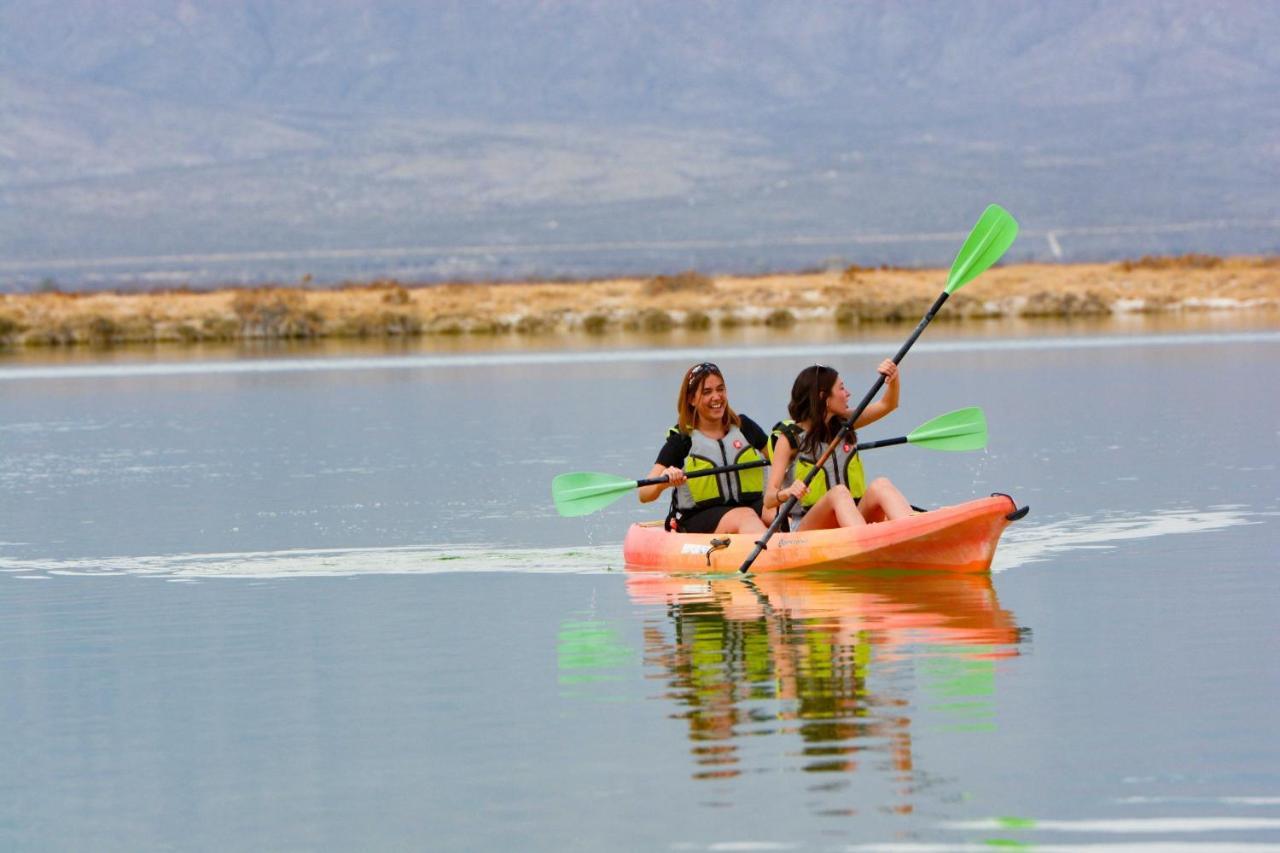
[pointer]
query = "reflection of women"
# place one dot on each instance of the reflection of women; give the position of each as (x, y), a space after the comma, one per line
(710, 434)
(792, 656)
(837, 496)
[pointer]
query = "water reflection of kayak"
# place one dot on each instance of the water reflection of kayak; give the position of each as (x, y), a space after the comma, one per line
(887, 609)
(960, 538)
(815, 659)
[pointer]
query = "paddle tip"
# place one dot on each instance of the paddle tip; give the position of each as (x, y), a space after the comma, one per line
(990, 238)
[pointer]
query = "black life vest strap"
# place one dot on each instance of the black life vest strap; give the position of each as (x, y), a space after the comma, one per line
(669, 523)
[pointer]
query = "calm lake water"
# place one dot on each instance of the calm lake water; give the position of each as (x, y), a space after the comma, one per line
(320, 600)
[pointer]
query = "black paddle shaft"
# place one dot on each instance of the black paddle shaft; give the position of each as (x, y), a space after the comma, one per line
(742, 466)
(724, 469)
(785, 509)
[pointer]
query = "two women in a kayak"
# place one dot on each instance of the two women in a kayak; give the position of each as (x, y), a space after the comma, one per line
(709, 434)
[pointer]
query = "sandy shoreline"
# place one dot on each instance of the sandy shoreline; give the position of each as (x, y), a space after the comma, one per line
(690, 300)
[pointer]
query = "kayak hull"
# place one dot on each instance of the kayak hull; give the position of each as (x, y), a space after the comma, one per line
(960, 538)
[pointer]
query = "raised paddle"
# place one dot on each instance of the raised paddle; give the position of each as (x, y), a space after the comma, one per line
(584, 492)
(989, 239)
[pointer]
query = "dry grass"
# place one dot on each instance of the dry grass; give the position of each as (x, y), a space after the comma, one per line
(687, 300)
(1190, 261)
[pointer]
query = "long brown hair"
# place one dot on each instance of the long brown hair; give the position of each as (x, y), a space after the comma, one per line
(808, 404)
(690, 388)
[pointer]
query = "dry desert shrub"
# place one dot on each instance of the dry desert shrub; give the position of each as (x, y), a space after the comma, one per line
(1190, 261)
(851, 273)
(187, 333)
(217, 327)
(10, 328)
(847, 314)
(101, 330)
(269, 312)
(535, 324)
(962, 306)
(397, 295)
(651, 320)
(865, 309)
(780, 318)
(1052, 304)
(595, 323)
(699, 320)
(681, 282)
(384, 324)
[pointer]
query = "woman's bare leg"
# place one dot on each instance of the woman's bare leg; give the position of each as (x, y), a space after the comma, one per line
(884, 496)
(740, 520)
(835, 509)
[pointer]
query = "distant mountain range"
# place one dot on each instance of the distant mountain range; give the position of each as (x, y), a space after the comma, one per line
(183, 141)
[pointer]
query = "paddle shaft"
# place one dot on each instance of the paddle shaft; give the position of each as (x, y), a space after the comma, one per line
(707, 472)
(884, 442)
(785, 509)
(725, 469)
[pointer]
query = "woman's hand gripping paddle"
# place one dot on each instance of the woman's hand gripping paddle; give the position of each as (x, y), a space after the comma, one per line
(986, 243)
(583, 493)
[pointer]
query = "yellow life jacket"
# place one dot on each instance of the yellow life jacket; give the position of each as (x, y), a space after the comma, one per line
(843, 466)
(735, 487)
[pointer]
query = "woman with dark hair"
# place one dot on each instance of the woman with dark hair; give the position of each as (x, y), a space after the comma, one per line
(838, 495)
(709, 434)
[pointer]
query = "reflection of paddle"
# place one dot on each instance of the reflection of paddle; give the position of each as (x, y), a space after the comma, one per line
(989, 239)
(584, 492)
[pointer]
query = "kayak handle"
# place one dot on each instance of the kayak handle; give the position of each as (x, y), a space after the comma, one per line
(1020, 512)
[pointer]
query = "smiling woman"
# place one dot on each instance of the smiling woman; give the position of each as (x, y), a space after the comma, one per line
(710, 434)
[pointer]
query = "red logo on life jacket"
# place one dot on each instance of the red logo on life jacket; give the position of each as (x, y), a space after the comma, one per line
(848, 447)
(737, 445)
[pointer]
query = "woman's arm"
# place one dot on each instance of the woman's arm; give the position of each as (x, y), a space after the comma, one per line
(774, 494)
(650, 493)
(889, 401)
(670, 463)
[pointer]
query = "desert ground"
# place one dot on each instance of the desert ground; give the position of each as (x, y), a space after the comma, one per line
(686, 300)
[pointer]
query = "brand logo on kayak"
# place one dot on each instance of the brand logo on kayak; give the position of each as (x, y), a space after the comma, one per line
(691, 548)
(784, 543)
(737, 444)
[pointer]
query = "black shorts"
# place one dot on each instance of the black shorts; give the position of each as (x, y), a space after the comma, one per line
(706, 520)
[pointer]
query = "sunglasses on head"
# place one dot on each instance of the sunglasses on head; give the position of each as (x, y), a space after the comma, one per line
(698, 369)
(817, 369)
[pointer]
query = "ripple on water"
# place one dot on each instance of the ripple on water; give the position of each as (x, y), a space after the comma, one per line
(1033, 543)
(1023, 544)
(334, 562)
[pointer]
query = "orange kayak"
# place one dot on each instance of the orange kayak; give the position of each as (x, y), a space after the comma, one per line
(959, 538)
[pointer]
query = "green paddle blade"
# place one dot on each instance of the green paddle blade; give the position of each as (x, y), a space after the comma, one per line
(963, 429)
(583, 493)
(988, 240)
